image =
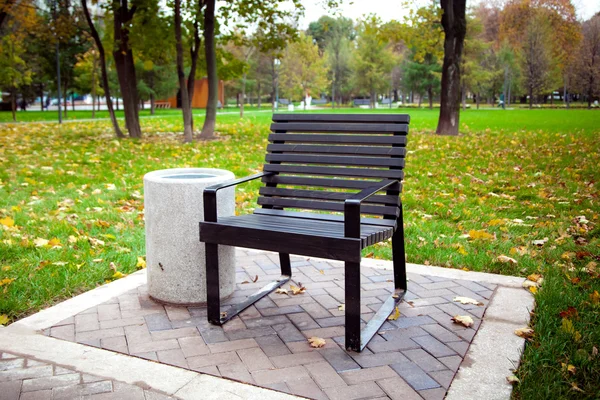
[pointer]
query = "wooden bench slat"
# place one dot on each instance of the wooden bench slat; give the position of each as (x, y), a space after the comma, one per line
(325, 205)
(349, 150)
(345, 118)
(319, 182)
(338, 139)
(324, 195)
(336, 160)
(390, 223)
(336, 171)
(338, 127)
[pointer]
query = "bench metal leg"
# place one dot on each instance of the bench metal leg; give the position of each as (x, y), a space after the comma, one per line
(399, 254)
(215, 316)
(352, 287)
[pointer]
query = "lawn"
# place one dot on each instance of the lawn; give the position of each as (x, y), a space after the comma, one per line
(520, 183)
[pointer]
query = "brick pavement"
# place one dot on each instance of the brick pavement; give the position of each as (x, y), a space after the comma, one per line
(413, 357)
(27, 379)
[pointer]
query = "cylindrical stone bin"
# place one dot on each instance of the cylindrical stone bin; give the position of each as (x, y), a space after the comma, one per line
(175, 257)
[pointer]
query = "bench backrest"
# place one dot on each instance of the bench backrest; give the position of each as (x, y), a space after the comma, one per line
(320, 160)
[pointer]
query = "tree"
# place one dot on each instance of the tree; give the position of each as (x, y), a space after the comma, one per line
(373, 59)
(421, 76)
(587, 67)
(454, 23)
(13, 69)
(208, 129)
(536, 57)
(183, 89)
(86, 76)
(102, 61)
(125, 64)
(303, 69)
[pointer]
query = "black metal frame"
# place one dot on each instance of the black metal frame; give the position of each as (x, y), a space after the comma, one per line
(355, 339)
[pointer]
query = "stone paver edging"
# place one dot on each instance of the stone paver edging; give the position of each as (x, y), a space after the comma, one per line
(494, 352)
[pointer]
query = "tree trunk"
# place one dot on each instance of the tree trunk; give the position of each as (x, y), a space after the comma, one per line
(123, 55)
(259, 95)
(73, 101)
(464, 96)
(65, 99)
(93, 84)
(455, 27)
(477, 100)
(183, 89)
(152, 104)
(420, 100)
(13, 100)
(102, 60)
(565, 98)
(243, 95)
(42, 96)
(208, 130)
(430, 95)
(530, 97)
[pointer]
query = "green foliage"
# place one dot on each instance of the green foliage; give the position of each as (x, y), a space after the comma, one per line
(327, 29)
(87, 73)
(303, 70)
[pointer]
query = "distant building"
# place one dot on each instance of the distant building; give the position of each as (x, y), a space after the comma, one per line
(200, 95)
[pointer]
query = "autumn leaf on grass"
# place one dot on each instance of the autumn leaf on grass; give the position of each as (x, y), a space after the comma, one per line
(464, 320)
(568, 367)
(7, 221)
(595, 297)
(467, 300)
(297, 290)
(395, 315)
(118, 275)
(534, 278)
(506, 259)
(567, 327)
(281, 291)
(539, 242)
(473, 234)
(3, 319)
(525, 333)
(512, 379)
(54, 243)
(316, 342)
(576, 388)
(39, 242)
(568, 313)
(141, 263)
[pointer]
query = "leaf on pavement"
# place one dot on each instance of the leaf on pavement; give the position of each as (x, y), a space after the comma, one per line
(467, 300)
(395, 315)
(297, 290)
(512, 379)
(316, 342)
(281, 291)
(464, 320)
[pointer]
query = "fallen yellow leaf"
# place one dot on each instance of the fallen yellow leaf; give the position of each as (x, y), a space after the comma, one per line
(512, 379)
(316, 342)
(342, 307)
(6, 268)
(7, 221)
(595, 297)
(141, 263)
(395, 315)
(534, 277)
(473, 234)
(525, 333)
(118, 275)
(281, 291)
(39, 242)
(297, 290)
(533, 289)
(506, 259)
(3, 319)
(467, 300)
(464, 320)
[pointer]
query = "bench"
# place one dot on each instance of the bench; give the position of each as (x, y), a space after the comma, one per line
(386, 101)
(362, 102)
(284, 102)
(162, 104)
(320, 163)
(318, 101)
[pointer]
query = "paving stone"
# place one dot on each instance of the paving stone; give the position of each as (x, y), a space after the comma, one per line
(315, 310)
(129, 302)
(266, 377)
(304, 346)
(199, 311)
(11, 363)
(406, 322)
(149, 355)
(118, 344)
(466, 334)
(331, 321)
(444, 378)
(193, 346)
(452, 362)
(394, 344)
(459, 347)
(175, 333)
(172, 357)
(90, 336)
(268, 312)
(288, 333)
(37, 395)
(306, 388)
(282, 300)
(74, 391)
(153, 346)
(34, 363)
(361, 391)
(237, 371)
(272, 345)
(31, 385)
(150, 395)
(417, 311)
(85, 378)
(34, 372)
(368, 374)
(177, 313)
(234, 324)
(397, 389)
(251, 333)
(108, 312)
(86, 322)
(115, 323)
(339, 359)
(255, 359)
(290, 360)
(433, 394)
(375, 360)
(303, 321)
(64, 332)
(121, 391)
(474, 286)
(157, 322)
(213, 334)
(430, 301)
(434, 346)
(137, 333)
(414, 376)
(10, 390)
(213, 359)
(232, 346)
(424, 360)
(325, 332)
(61, 371)
(440, 333)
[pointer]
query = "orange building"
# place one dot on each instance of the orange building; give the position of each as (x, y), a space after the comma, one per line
(200, 95)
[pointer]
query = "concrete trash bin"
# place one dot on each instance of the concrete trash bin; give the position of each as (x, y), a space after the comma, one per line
(175, 257)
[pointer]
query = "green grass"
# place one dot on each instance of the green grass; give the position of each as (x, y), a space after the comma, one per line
(516, 175)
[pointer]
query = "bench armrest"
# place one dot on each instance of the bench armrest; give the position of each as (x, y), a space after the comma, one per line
(210, 194)
(352, 206)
